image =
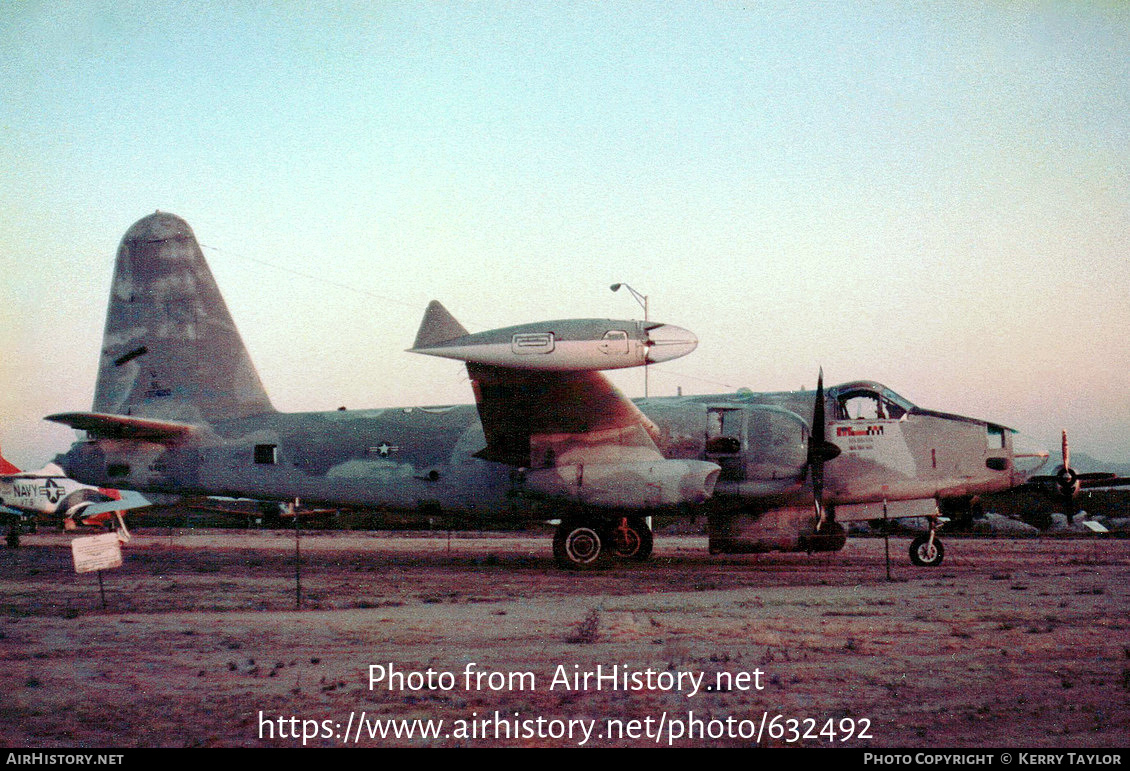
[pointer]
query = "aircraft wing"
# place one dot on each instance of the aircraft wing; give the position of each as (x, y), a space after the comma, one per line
(547, 410)
(542, 398)
(575, 437)
(1088, 480)
(129, 500)
(567, 416)
(126, 426)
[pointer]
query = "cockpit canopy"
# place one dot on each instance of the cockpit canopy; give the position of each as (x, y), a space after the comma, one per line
(867, 400)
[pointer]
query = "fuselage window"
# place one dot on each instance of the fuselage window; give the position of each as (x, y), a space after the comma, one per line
(266, 454)
(996, 438)
(723, 431)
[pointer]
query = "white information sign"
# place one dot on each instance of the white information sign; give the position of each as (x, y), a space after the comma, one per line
(97, 552)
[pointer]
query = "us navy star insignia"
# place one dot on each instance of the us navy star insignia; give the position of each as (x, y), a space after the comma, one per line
(54, 490)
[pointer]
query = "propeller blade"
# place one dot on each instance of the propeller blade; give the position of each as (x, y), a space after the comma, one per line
(818, 411)
(820, 450)
(1068, 482)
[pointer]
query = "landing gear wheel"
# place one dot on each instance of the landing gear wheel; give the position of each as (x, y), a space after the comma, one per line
(630, 538)
(924, 554)
(577, 545)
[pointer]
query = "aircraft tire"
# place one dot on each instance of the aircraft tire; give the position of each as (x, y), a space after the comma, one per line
(922, 555)
(578, 545)
(630, 539)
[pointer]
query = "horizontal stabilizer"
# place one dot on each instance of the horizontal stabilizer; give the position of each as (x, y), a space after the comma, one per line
(126, 427)
(129, 500)
(438, 326)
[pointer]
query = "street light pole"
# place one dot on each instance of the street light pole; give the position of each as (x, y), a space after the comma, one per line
(642, 300)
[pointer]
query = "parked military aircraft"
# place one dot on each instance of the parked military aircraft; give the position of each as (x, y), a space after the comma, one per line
(1066, 483)
(179, 408)
(24, 495)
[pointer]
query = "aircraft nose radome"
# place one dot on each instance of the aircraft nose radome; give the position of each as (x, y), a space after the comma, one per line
(159, 226)
(667, 342)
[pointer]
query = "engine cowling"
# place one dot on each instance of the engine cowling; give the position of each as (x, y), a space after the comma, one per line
(632, 485)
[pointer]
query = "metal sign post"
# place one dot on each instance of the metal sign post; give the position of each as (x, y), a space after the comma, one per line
(297, 558)
(887, 538)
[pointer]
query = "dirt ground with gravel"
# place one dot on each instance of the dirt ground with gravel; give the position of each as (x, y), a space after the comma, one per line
(1010, 643)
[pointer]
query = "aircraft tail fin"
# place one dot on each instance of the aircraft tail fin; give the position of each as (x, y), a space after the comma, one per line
(438, 326)
(6, 467)
(170, 350)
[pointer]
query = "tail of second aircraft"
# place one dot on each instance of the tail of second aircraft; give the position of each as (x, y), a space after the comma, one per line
(6, 467)
(170, 349)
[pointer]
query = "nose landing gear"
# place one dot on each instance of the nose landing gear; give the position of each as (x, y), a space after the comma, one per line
(926, 551)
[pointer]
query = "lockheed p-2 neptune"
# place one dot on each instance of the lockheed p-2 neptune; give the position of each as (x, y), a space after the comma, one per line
(179, 408)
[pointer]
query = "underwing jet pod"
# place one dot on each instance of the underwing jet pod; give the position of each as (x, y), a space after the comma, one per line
(178, 408)
(571, 345)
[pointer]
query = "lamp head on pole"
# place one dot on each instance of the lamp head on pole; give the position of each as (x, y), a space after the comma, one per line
(640, 298)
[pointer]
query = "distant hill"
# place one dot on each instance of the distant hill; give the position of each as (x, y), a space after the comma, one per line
(1083, 462)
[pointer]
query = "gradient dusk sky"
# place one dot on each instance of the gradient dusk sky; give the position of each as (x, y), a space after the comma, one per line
(932, 195)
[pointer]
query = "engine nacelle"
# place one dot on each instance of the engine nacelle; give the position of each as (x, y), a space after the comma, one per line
(634, 485)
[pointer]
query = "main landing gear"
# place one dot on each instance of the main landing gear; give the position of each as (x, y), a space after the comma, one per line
(926, 551)
(15, 527)
(587, 542)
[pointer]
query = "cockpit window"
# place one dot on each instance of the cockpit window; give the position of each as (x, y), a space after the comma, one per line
(868, 404)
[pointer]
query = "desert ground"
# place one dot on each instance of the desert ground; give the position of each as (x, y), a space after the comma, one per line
(1010, 643)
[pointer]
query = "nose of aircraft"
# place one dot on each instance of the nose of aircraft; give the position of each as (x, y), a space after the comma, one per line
(1028, 456)
(666, 342)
